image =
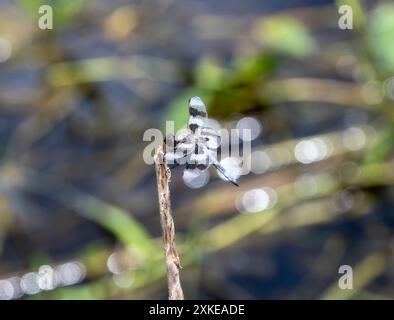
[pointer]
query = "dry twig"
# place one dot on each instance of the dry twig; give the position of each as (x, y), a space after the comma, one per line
(167, 223)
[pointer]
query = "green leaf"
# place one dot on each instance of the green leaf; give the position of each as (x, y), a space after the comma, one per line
(120, 223)
(209, 74)
(248, 69)
(63, 10)
(285, 34)
(382, 146)
(126, 228)
(359, 18)
(381, 36)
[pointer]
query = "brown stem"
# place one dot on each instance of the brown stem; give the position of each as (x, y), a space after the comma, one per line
(163, 175)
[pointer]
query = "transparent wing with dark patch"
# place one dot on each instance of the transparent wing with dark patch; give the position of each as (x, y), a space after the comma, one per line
(200, 160)
(197, 146)
(178, 148)
(209, 137)
(224, 173)
(197, 114)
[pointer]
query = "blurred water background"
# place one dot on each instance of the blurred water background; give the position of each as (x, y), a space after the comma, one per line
(77, 197)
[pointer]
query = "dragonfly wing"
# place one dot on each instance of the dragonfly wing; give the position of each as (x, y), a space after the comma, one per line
(199, 162)
(224, 173)
(209, 137)
(197, 114)
(174, 158)
(179, 154)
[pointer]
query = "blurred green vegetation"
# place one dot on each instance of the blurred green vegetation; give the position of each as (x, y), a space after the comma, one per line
(72, 154)
(63, 11)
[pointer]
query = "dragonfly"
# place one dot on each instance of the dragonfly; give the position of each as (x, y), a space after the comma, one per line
(195, 147)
